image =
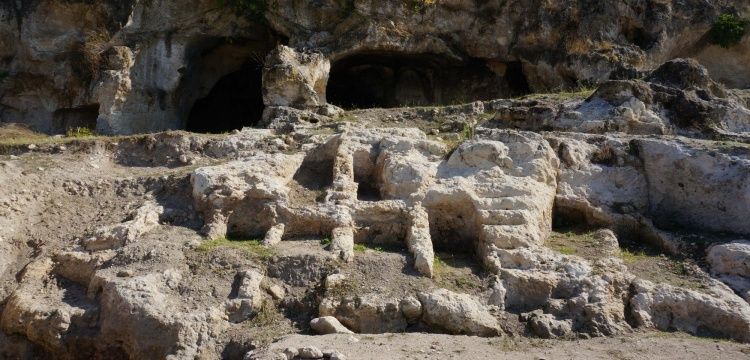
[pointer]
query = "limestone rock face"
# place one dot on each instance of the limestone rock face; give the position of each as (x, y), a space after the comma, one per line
(117, 71)
(40, 312)
(679, 97)
(253, 182)
(696, 188)
(294, 79)
(566, 288)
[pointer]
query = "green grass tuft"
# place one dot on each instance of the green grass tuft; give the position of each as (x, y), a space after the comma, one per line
(79, 132)
(632, 256)
(567, 250)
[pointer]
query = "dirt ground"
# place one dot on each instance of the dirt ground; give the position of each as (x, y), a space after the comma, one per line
(646, 345)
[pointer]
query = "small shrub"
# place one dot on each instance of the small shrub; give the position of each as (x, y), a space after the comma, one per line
(267, 315)
(633, 256)
(360, 248)
(728, 30)
(325, 242)
(79, 132)
(86, 57)
(605, 155)
(438, 265)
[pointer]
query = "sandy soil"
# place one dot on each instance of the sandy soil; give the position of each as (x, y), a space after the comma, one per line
(648, 345)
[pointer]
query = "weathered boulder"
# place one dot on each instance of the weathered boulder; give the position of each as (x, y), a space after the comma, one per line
(678, 97)
(548, 327)
(250, 184)
(671, 308)
(732, 258)
(366, 314)
(328, 325)
(141, 221)
(47, 315)
(730, 263)
(458, 313)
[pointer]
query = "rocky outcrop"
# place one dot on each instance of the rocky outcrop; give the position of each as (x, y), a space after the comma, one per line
(669, 308)
(293, 79)
(219, 190)
(679, 97)
(142, 66)
(679, 191)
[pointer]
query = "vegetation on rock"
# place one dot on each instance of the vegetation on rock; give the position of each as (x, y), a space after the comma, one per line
(728, 30)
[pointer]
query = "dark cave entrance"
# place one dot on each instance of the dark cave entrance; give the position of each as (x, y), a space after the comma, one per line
(388, 80)
(234, 102)
(518, 85)
(222, 85)
(82, 117)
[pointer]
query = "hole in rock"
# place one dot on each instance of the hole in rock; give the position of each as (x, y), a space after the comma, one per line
(365, 175)
(222, 87)
(453, 227)
(377, 228)
(78, 117)
(314, 175)
(234, 102)
(640, 37)
(251, 219)
(387, 80)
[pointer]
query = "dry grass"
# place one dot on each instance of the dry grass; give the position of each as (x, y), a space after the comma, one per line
(580, 93)
(579, 46)
(251, 247)
(16, 134)
(575, 242)
(456, 273)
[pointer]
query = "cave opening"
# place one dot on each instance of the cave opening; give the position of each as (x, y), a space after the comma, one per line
(389, 80)
(236, 101)
(81, 117)
(221, 88)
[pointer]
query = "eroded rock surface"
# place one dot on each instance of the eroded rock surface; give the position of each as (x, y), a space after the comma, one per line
(556, 216)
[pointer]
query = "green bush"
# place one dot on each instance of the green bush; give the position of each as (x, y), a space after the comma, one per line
(728, 30)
